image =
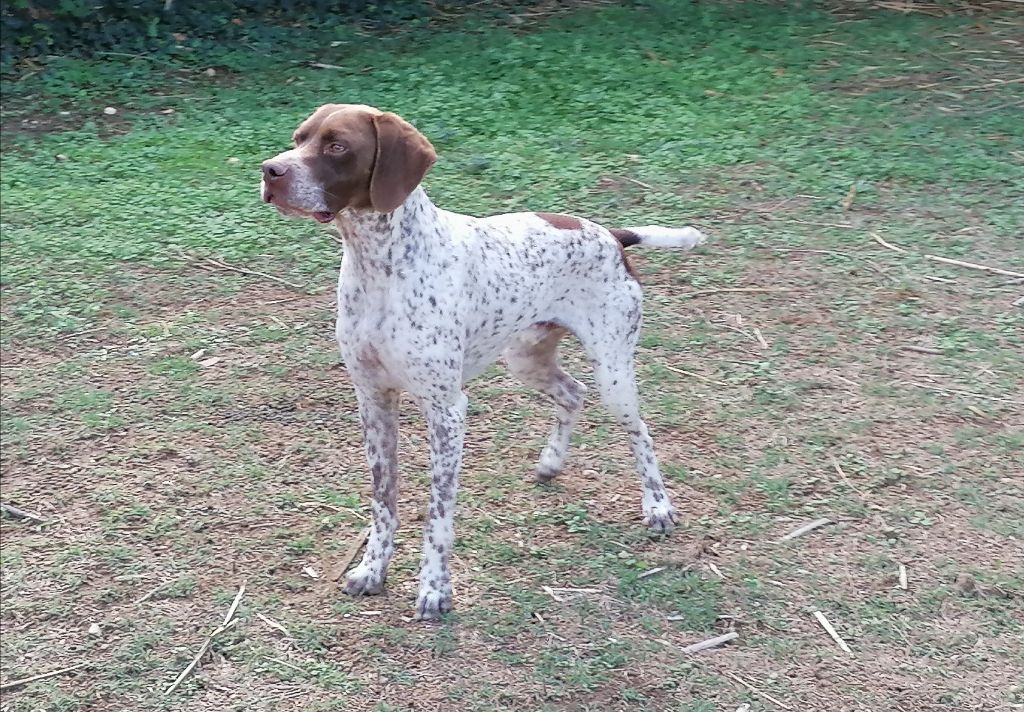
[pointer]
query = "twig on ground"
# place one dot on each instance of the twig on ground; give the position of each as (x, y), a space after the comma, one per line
(83, 332)
(921, 349)
(851, 195)
(903, 577)
(760, 338)
(993, 85)
(19, 513)
(947, 260)
(839, 471)
(639, 183)
(286, 664)
(758, 691)
(252, 272)
(152, 592)
(847, 381)
(973, 265)
(736, 290)
(977, 412)
(998, 107)
(715, 569)
(234, 604)
(273, 624)
(554, 591)
(809, 527)
(960, 392)
(711, 642)
(548, 590)
(683, 372)
(42, 676)
(325, 505)
(136, 56)
(569, 589)
(198, 656)
(281, 301)
(883, 243)
(820, 617)
(209, 263)
(228, 622)
(908, 8)
(820, 224)
(651, 572)
(351, 554)
(840, 253)
(933, 278)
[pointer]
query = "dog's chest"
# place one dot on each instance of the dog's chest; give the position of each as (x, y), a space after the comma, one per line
(371, 339)
(399, 325)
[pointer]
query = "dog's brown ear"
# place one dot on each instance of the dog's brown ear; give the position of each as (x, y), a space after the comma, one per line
(404, 156)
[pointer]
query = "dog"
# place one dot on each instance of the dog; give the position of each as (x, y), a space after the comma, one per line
(427, 299)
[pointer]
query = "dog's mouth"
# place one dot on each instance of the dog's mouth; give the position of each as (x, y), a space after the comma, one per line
(321, 216)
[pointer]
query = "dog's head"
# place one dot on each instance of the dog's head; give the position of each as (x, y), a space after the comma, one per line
(347, 156)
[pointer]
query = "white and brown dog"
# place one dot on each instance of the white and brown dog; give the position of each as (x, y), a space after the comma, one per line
(427, 299)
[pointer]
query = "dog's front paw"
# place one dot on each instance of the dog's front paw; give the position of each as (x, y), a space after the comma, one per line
(697, 237)
(362, 581)
(660, 518)
(432, 604)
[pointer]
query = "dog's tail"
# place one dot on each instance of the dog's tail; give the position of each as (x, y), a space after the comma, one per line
(685, 238)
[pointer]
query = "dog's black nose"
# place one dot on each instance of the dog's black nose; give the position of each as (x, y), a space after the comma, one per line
(273, 170)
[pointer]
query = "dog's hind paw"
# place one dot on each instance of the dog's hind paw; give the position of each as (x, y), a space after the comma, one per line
(363, 582)
(660, 519)
(545, 474)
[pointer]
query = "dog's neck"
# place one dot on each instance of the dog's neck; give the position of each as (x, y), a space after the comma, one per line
(381, 239)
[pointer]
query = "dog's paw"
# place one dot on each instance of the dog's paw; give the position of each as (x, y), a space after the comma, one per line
(550, 464)
(545, 473)
(660, 518)
(432, 604)
(363, 582)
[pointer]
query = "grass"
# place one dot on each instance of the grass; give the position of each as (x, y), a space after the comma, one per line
(182, 429)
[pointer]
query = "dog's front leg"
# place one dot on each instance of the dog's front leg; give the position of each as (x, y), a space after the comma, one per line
(378, 412)
(446, 424)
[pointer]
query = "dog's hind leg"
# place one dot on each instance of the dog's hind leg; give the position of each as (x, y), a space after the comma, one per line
(610, 344)
(533, 358)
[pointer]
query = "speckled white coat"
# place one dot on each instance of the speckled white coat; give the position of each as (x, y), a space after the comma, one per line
(427, 299)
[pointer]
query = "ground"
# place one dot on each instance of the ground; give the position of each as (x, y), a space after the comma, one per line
(181, 427)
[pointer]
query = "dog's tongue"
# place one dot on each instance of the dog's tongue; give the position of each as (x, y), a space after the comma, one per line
(323, 216)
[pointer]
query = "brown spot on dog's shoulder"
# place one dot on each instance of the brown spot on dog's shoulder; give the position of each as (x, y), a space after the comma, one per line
(560, 221)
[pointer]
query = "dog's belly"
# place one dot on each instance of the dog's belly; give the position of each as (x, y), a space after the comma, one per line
(484, 347)
(486, 343)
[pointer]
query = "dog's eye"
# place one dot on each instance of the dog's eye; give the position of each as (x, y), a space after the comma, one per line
(337, 148)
